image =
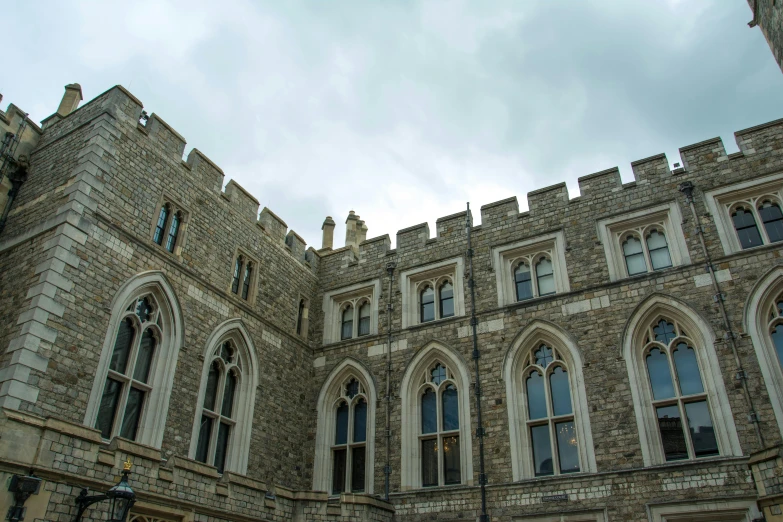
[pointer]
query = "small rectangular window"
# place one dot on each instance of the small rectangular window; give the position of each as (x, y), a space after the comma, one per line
(338, 471)
(672, 436)
(357, 471)
(451, 460)
(429, 462)
(542, 450)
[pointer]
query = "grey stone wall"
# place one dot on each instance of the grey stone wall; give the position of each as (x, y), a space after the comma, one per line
(769, 17)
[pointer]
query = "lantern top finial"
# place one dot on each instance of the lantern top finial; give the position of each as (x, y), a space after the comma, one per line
(127, 465)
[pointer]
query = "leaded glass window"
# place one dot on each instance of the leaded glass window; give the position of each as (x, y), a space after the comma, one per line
(524, 285)
(446, 295)
(127, 385)
(349, 445)
(347, 323)
(745, 225)
(440, 422)
(772, 218)
(427, 304)
(659, 250)
(545, 277)
(678, 395)
(160, 226)
(634, 256)
(218, 419)
(364, 319)
(238, 262)
(171, 242)
(550, 413)
(246, 280)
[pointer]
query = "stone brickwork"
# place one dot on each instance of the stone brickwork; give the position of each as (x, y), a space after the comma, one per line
(82, 226)
(768, 15)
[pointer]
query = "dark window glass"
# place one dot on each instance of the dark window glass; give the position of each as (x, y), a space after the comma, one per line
(438, 374)
(228, 395)
(352, 388)
(429, 408)
(701, 429)
(364, 319)
(347, 324)
(545, 277)
(204, 433)
(122, 347)
(300, 317)
(450, 409)
(427, 305)
(108, 408)
(360, 421)
(237, 274)
(341, 435)
(561, 393)
(143, 309)
(246, 280)
(130, 420)
(173, 232)
(687, 370)
(780, 307)
(227, 352)
(446, 300)
(542, 450)
(429, 462)
(672, 436)
(160, 226)
(634, 256)
(660, 377)
(567, 447)
(451, 460)
(221, 448)
(659, 250)
(523, 282)
(544, 356)
(338, 471)
(773, 221)
(664, 332)
(141, 371)
(536, 399)
(211, 391)
(777, 338)
(357, 469)
(747, 231)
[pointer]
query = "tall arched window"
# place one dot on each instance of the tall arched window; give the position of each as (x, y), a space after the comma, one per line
(160, 226)
(347, 323)
(745, 225)
(128, 379)
(658, 249)
(678, 394)
(446, 296)
(221, 430)
(246, 280)
(427, 304)
(130, 393)
(350, 439)
(548, 421)
(300, 317)
(680, 401)
(217, 411)
(524, 285)
(545, 277)
(436, 439)
(550, 414)
(364, 319)
(345, 440)
(173, 232)
(634, 256)
(772, 218)
(440, 455)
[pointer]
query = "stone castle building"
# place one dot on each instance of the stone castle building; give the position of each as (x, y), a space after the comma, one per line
(628, 342)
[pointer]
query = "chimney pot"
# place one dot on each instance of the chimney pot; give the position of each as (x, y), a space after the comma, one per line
(71, 99)
(328, 233)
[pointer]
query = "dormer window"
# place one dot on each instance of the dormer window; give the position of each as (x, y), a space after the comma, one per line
(168, 229)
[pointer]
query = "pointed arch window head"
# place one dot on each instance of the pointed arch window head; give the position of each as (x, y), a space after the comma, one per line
(168, 226)
(775, 328)
(349, 447)
(171, 242)
(347, 323)
(545, 277)
(745, 226)
(550, 414)
(301, 326)
(446, 295)
(238, 262)
(678, 395)
(243, 276)
(246, 280)
(634, 256)
(128, 384)
(218, 420)
(659, 250)
(364, 319)
(427, 304)
(523, 282)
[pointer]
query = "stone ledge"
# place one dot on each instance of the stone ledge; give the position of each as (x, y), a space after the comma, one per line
(193, 465)
(134, 448)
(367, 500)
(74, 430)
(242, 480)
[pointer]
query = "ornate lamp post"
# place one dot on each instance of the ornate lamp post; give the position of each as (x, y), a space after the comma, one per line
(121, 498)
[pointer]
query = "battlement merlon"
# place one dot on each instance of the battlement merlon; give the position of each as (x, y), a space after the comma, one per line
(242, 200)
(600, 182)
(11, 120)
(760, 138)
(499, 211)
(549, 197)
(647, 169)
(452, 225)
(412, 238)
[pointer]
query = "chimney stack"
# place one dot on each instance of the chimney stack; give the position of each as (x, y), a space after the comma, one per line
(71, 99)
(328, 235)
(351, 230)
(361, 228)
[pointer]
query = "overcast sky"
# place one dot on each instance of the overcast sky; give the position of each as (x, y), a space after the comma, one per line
(405, 110)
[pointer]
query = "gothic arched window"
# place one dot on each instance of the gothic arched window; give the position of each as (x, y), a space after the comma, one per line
(745, 225)
(173, 231)
(550, 413)
(217, 411)
(446, 297)
(524, 285)
(440, 448)
(545, 278)
(364, 319)
(246, 281)
(634, 256)
(350, 439)
(128, 380)
(658, 249)
(347, 323)
(427, 304)
(772, 218)
(237, 277)
(160, 226)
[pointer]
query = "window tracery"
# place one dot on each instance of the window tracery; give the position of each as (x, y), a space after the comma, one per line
(350, 439)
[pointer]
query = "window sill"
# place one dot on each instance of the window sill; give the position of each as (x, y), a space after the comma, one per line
(441, 321)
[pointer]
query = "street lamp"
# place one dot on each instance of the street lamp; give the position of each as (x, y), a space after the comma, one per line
(121, 498)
